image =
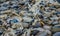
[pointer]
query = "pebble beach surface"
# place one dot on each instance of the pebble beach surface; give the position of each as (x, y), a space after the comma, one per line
(29, 17)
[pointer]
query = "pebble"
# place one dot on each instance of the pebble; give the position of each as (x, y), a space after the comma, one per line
(47, 27)
(1, 22)
(56, 28)
(27, 19)
(2, 0)
(58, 1)
(56, 34)
(1, 32)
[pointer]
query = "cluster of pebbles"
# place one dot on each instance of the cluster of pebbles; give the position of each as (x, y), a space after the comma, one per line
(29, 17)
